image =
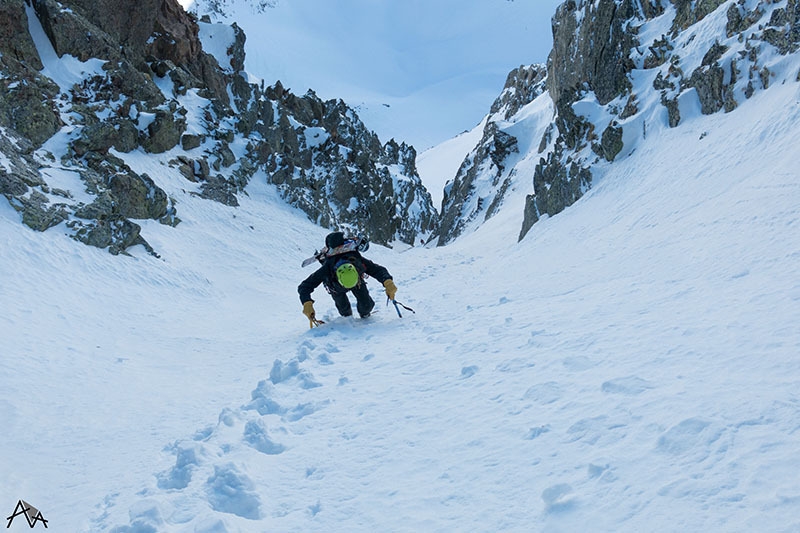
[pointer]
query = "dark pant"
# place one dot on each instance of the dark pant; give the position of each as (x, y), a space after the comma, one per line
(364, 302)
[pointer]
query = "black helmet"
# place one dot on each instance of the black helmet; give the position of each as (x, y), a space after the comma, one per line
(334, 239)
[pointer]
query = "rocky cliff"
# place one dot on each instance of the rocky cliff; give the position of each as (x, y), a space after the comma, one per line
(86, 82)
(482, 181)
(639, 64)
(326, 162)
(618, 71)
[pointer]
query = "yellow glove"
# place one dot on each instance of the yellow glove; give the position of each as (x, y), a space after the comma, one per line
(308, 310)
(391, 289)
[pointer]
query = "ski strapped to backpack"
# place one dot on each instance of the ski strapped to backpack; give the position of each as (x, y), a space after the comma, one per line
(352, 244)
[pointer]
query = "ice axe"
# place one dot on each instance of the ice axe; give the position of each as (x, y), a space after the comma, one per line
(398, 305)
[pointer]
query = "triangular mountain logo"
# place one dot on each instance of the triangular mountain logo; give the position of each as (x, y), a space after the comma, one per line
(32, 514)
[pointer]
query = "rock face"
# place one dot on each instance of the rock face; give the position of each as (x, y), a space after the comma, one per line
(591, 45)
(27, 99)
(591, 54)
(150, 87)
(597, 47)
(609, 86)
(483, 178)
(329, 165)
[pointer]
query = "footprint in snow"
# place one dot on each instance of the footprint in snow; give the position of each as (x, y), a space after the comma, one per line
(629, 386)
(303, 410)
(687, 435)
(180, 475)
(255, 435)
(544, 393)
(230, 491)
(596, 429)
(283, 371)
(262, 402)
(324, 359)
(330, 348)
(537, 431)
(578, 363)
(305, 350)
(468, 371)
(602, 472)
(558, 498)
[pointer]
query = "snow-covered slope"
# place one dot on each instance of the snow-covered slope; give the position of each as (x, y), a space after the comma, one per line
(631, 365)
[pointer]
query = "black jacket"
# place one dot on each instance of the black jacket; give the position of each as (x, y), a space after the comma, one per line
(327, 274)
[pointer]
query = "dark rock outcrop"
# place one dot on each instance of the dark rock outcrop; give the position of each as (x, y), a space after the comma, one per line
(338, 172)
(26, 98)
(15, 39)
(157, 91)
(591, 53)
(597, 46)
(591, 48)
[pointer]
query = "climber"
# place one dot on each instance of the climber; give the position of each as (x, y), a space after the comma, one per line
(342, 272)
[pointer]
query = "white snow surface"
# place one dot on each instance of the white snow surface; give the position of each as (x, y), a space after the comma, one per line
(632, 365)
(217, 39)
(440, 164)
